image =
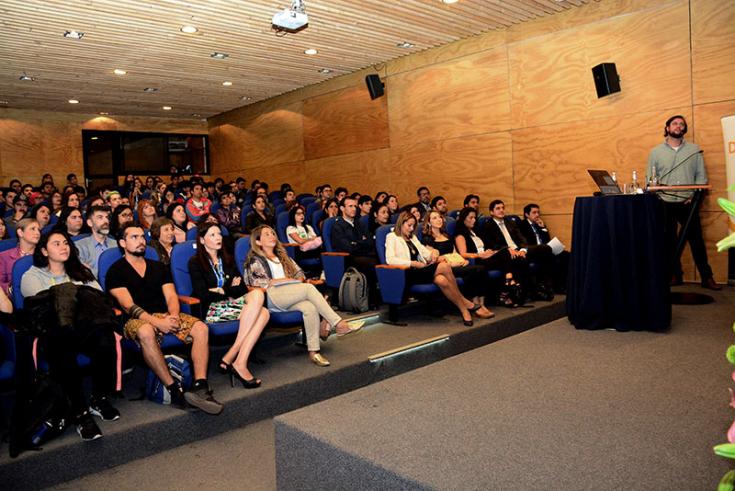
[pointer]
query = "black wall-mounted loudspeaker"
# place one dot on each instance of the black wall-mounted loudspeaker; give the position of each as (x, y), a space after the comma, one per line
(606, 79)
(375, 86)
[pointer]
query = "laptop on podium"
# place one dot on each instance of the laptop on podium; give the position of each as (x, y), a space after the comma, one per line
(605, 182)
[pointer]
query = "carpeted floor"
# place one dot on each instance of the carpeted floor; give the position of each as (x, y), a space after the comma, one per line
(551, 408)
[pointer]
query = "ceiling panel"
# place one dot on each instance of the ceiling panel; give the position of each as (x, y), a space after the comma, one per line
(144, 38)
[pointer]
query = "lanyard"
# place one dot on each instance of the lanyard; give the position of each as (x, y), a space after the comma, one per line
(219, 272)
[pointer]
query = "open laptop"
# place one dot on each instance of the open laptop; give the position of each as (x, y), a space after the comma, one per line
(605, 182)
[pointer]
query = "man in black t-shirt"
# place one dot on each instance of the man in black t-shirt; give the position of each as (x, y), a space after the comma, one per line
(145, 291)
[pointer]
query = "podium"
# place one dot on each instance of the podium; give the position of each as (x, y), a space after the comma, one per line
(686, 298)
(619, 265)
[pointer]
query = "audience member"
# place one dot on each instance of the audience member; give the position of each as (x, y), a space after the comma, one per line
(534, 230)
(351, 236)
(380, 197)
(402, 248)
(289, 198)
(70, 200)
(122, 215)
(42, 214)
(145, 291)
(146, 213)
(70, 221)
(228, 213)
(438, 203)
(162, 238)
(379, 216)
(364, 204)
(259, 216)
(269, 267)
(90, 248)
(198, 204)
(178, 216)
(424, 202)
(435, 237)
(301, 233)
(29, 233)
(20, 210)
(224, 297)
(55, 263)
(3, 229)
(331, 209)
(340, 193)
(56, 202)
(392, 203)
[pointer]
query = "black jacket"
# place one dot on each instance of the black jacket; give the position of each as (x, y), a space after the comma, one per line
(203, 280)
(354, 239)
(494, 239)
(527, 230)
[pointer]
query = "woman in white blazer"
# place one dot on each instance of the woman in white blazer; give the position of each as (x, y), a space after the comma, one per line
(402, 248)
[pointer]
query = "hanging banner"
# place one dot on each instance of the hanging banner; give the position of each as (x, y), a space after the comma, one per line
(728, 134)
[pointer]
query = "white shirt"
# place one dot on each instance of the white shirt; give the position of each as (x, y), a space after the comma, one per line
(277, 271)
(304, 233)
(506, 234)
(479, 244)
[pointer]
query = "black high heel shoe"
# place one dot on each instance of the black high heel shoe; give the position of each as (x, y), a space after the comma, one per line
(224, 367)
(252, 383)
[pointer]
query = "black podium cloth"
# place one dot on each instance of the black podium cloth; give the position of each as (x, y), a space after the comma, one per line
(619, 271)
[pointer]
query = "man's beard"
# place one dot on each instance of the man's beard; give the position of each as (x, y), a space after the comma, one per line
(138, 253)
(676, 134)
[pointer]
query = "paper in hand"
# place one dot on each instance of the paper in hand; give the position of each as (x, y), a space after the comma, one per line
(556, 246)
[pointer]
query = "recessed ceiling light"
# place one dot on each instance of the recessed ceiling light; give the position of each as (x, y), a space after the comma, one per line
(405, 44)
(219, 56)
(325, 70)
(73, 34)
(150, 89)
(4, 103)
(195, 115)
(189, 29)
(119, 71)
(226, 83)
(95, 138)
(245, 98)
(310, 51)
(26, 78)
(166, 108)
(104, 113)
(73, 101)
(449, 1)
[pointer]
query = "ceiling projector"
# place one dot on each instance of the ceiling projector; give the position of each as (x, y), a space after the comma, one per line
(292, 19)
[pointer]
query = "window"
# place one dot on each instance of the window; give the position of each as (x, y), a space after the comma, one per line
(112, 153)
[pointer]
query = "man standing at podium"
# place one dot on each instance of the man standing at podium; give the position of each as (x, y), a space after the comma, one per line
(676, 161)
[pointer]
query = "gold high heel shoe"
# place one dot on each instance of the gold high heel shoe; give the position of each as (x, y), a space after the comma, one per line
(319, 360)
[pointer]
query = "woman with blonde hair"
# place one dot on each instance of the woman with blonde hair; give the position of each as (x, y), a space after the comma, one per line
(402, 248)
(269, 267)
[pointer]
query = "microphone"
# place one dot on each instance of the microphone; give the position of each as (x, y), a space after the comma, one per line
(680, 164)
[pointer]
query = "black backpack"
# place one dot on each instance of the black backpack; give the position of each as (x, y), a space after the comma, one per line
(40, 418)
(353, 291)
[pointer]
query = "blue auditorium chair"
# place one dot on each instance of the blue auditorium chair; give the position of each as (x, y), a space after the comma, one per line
(310, 209)
(8, 244)
(333, 262)
(180, 256)
(453, 214)
(246, 209)
(280, 207)
(79, 237)
(275, 195)
(305, 198)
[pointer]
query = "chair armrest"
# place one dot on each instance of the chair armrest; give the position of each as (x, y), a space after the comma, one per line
(345, 254)
(471, 255)
(391, 266)
(189, 300)
(252, 288)
(290, 244)
(316, 281)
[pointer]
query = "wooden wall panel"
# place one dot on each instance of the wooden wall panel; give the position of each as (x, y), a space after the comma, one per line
(364, 172)
(551, 77)
(713, 39)
(559, 225)
(35, 142)
(454, 168)
(465, 96)
(345, 121)
(551, 162)
(259, 139)
(708, 134)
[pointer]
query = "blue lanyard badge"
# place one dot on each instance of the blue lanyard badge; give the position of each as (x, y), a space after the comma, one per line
(219, 272)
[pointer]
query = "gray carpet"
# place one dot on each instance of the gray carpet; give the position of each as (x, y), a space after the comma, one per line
(551, 408)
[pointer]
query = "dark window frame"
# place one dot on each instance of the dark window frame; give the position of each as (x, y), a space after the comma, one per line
(118, 164)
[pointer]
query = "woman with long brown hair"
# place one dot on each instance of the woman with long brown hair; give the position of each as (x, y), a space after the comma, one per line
(146, 213)
(268, 267)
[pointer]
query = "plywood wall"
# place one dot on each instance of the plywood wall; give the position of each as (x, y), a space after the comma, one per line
(33, 143)
(510, 114)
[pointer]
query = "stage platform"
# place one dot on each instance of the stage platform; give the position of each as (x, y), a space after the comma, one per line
(551, 408)
(290, 382)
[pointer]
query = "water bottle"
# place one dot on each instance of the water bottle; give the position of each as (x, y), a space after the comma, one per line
(654, 177)
(37, 437)
(634, 186)
(614, 177)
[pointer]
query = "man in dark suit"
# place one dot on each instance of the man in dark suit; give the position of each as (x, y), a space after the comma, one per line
(352, 236)
(500, 232)
(535, 231)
